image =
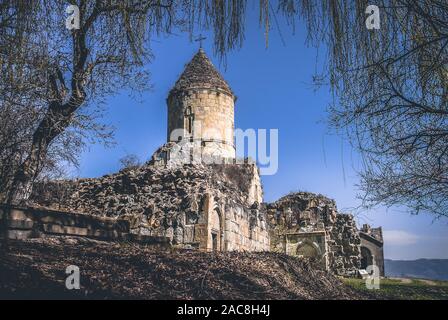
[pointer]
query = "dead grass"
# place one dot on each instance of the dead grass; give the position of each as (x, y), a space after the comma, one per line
(36, 269)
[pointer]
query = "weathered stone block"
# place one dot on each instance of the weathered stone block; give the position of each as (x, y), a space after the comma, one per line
(20, 224)
(188, 234)
(58, 229)
(20, 234)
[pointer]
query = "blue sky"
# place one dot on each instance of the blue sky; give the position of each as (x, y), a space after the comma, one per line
(274, 91)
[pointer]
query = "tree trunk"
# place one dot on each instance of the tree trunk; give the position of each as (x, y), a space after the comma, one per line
(21, 187)
(56, 120)
(58, 117)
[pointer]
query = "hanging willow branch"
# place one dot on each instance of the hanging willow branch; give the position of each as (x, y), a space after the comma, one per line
(391, 84)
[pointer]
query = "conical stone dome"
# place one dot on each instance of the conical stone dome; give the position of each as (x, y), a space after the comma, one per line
(200, 73)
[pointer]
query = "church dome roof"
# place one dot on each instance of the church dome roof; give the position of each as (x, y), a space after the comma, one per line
(201, 73)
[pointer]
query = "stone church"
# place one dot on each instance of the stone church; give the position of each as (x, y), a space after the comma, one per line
(195, 193)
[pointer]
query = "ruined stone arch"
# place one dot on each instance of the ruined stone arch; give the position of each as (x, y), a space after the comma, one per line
(215, 228)
(308, 249)
(367, 258)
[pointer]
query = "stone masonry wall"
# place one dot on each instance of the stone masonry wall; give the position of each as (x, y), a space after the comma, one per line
(171, 202)
(302, 213)
(35, 222)
(246, 230)
(212, 113)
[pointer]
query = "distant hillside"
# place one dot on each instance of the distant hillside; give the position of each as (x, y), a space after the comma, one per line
(435, 269)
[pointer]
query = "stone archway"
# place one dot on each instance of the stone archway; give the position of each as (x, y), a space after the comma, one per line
(308, 249)
(366, 258)
(215, 230)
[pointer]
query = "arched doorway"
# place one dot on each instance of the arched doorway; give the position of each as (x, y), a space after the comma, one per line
(366, 258)
(215, 231)
(307, 249)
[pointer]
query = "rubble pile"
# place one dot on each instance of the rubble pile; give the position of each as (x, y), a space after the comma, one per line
(164, 201)
(158, 201)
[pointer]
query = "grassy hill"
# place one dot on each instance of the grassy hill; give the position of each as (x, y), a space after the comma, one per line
(404, 289)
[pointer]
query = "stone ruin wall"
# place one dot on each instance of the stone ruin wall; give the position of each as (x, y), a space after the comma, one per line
(238, 228)
(372, 247)
(307, 215)
(186, 204)
(29, 222)
(174, 155)
(246, 230)
(180, 203)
